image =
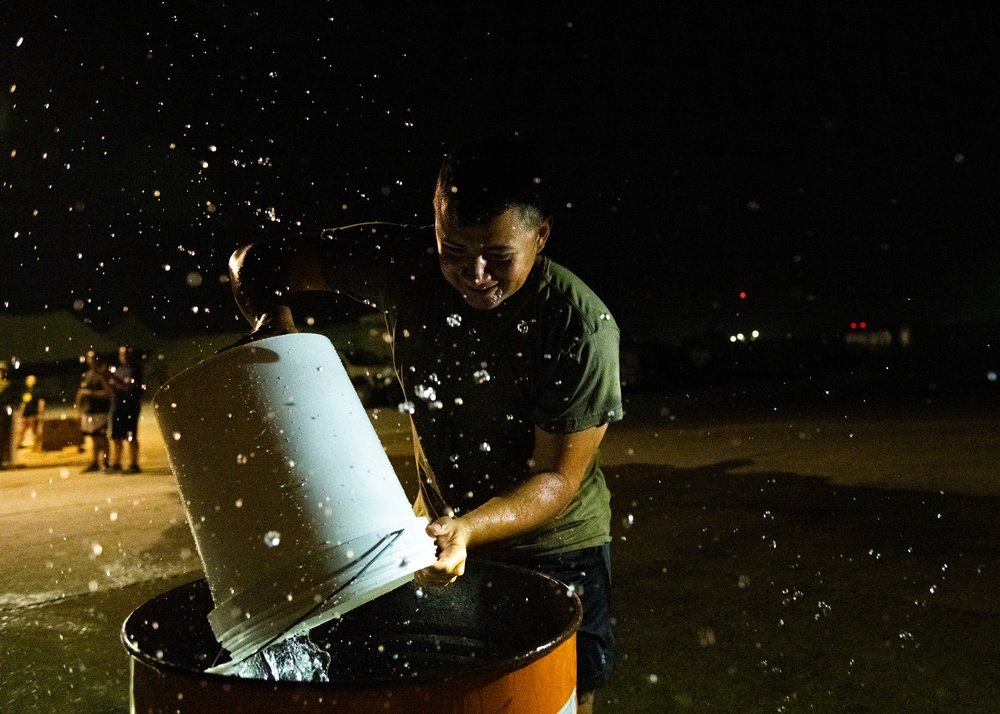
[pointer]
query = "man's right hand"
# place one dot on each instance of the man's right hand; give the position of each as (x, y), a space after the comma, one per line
(269, 324)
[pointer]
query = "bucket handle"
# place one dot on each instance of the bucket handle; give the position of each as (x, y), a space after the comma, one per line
(385, 542)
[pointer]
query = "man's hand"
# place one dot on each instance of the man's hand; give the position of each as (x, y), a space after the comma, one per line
(270, 324)
(452, 539)
(560, 462)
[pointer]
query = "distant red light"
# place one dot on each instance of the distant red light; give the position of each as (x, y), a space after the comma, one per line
(863, 325)
(742, 295)
(854, 325)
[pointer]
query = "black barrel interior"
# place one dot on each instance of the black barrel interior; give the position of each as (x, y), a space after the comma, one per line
(495, 617)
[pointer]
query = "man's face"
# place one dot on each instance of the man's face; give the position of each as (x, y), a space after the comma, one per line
(488, 263)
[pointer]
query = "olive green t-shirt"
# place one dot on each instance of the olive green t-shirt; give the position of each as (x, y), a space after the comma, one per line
(477, 383)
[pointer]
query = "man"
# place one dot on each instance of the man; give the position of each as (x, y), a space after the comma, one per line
(126, 401)
(7, 409)
(93, 401)
(32, 414)
(509, 364)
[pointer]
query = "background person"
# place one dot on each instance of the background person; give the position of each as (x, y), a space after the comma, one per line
(8, 407)
(125, 380)
(93, 401)
(32, 414)
(510, 363)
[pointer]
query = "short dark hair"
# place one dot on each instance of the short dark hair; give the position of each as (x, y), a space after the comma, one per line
(482, 179)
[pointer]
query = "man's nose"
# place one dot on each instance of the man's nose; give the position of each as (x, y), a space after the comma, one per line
(478, 268)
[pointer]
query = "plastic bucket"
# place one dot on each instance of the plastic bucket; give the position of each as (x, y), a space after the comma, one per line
(295, 509)
(499, 640)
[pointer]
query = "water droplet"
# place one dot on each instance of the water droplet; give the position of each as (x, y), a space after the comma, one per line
(522, 327)
(177, 436)
(272, 538)
(241, 459)
(481, 376)
(454, 320)
(407, 407)
(239, 503)
(484, 447)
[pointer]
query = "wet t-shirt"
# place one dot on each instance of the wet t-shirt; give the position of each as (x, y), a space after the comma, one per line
(477, 383)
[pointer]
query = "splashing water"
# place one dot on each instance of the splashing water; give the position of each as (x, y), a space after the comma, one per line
(424, 392)
(297, 659)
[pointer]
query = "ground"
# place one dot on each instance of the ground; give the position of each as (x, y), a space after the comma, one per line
(773, 551)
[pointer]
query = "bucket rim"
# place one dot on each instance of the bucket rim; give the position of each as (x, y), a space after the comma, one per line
(230, 352)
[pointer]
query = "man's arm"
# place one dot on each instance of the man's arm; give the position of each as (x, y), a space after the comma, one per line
(559, 463)
(265, 274)
(349, 260)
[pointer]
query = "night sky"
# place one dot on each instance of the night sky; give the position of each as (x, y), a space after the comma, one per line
(835, 161)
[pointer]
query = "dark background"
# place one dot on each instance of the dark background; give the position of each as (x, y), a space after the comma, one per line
(834, 161)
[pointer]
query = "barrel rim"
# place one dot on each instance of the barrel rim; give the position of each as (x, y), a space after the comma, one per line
(493, 668)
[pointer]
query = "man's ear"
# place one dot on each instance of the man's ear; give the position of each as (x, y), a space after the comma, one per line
(544, 230)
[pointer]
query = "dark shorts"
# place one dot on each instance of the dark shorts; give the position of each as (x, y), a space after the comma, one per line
(91, 424)
(589, 572)
(124, 422)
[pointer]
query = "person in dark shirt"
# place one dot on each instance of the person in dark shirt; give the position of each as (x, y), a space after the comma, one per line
(93, 401)
(509, 365)
(125, 380)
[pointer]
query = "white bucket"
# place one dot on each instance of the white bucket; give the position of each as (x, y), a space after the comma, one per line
(296, 511)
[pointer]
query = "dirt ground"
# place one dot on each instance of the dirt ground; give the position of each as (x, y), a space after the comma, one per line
(770, 555)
